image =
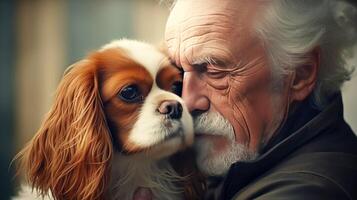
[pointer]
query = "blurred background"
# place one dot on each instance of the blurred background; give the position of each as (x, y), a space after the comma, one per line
(40, 38)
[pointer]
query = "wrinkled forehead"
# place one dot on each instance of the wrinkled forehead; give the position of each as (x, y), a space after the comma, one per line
(197, 26)
(185, 9)
(205, 11)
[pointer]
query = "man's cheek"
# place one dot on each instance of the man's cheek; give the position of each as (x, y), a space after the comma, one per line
(218, 85)
(247, 121)
(260, 97)
(254, 91)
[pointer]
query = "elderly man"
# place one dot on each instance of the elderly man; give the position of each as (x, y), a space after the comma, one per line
(262, 79)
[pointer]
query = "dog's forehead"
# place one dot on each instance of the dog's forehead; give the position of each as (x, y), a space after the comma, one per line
(145, 54)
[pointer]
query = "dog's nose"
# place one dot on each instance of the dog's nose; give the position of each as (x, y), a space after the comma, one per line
(171, 108)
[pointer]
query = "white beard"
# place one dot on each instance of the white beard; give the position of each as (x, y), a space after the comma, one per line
(209, 160)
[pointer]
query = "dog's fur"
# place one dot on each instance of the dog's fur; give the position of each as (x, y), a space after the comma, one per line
(94, 145)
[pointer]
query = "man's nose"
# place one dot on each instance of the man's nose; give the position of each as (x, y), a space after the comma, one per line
(194, 93)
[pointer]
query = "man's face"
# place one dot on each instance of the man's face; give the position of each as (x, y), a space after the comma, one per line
(227, 79)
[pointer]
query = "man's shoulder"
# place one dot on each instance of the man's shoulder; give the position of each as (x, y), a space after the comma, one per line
(317, 175)
(338, 168)
(324, 166)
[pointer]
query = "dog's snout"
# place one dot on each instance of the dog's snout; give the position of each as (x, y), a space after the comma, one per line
(171, 108)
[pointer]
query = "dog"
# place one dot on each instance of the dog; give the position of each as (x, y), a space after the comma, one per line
(116, 120)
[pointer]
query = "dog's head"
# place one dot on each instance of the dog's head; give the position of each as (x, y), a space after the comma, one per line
(139, 89)
(118, 98)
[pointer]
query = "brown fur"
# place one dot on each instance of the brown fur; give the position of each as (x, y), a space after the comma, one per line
(71, 152)
(194, 184)
(70, 155)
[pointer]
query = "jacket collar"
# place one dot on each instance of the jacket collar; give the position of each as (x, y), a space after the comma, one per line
(241, 173)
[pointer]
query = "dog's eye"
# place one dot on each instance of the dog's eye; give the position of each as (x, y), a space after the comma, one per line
(130, 94)
(177, 88)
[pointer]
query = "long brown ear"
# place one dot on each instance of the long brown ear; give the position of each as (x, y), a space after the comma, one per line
(70, 154)
(194, 184)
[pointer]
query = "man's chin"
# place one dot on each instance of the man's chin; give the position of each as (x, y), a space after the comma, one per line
(216, 154)
(209, 151)
(218, 144)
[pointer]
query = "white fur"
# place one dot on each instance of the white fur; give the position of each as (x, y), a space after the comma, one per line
(26, 193)
(129, 172)
(148, 132)
(151, 167)
(141, 52)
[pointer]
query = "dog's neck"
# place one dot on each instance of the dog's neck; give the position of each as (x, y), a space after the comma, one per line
(130, 172)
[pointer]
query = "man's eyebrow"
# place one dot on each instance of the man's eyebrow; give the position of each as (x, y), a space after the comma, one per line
(211, 60)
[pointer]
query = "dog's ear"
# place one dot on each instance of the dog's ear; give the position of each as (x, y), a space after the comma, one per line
(194, 183)
(70, 154)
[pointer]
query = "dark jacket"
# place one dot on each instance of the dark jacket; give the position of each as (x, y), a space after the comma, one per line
(313, 157)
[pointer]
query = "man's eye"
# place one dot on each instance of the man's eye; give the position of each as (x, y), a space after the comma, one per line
(216, 74)
(177, 88)
(130, 94)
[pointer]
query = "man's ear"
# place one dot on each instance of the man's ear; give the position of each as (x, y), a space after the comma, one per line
(305, 77)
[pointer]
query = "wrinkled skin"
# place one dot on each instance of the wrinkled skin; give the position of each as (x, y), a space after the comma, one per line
(227, 70)
(238, 85)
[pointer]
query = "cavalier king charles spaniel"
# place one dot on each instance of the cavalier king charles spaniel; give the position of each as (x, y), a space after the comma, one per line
(116, 120)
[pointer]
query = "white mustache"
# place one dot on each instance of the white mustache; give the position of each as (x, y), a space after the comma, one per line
(213, 123)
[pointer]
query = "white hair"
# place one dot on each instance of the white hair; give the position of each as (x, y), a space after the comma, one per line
(292, 29)
(209, 161)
